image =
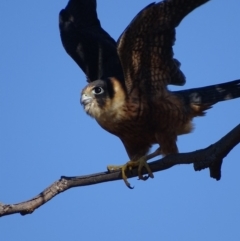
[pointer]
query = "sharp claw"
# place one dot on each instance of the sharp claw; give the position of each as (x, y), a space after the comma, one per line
(124, 177)
(144, 178)
(128, 184)
(143, 163)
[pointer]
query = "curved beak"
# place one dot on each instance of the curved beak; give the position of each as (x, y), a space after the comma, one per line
(85, 99)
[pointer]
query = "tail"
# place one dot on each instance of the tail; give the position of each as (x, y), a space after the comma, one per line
(201, 99)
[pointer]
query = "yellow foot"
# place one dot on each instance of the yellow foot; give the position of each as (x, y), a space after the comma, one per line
(142, 162)
(123, 168)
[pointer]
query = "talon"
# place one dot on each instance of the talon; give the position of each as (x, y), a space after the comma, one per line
(128, 184)
(124, 176)
(144, 178)
(142, 162)
(123, 168)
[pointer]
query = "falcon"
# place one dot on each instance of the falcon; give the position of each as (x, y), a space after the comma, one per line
(127, 92)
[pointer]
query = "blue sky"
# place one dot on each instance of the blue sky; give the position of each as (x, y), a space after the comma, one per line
(44, 133)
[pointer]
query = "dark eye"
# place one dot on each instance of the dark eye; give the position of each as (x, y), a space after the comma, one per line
(97, 90)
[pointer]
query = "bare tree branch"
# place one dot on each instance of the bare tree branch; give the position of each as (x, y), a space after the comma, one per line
(210, 157)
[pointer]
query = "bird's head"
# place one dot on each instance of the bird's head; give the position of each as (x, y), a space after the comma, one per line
(102, 97)
(95, 96)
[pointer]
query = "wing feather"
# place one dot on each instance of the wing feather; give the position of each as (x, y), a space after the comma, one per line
(89, 45)
(145, 47)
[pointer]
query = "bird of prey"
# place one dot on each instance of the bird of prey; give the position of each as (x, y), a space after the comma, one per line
(127, 92)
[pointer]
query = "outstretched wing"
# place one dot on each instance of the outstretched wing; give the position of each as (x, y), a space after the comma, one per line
(145, 47)
(211, 94)
(83, 38)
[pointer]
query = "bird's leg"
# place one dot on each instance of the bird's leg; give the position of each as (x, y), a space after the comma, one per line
(140, 163)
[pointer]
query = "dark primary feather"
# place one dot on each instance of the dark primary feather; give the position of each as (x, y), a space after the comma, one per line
(210, 94)
(90, 46)
(145, 47)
